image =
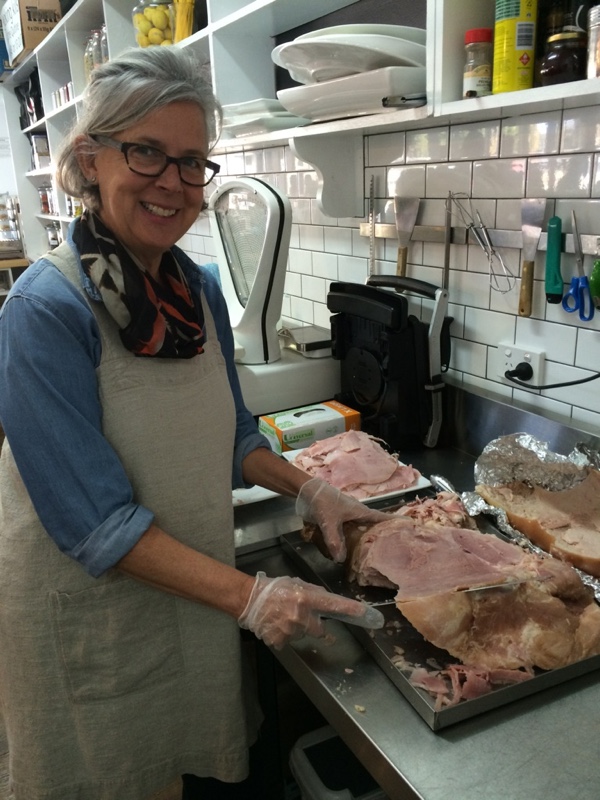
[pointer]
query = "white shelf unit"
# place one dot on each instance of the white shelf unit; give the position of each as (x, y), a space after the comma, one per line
(237, 42)
(10, 269)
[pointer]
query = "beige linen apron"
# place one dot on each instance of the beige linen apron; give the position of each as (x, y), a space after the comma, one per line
(111, 689)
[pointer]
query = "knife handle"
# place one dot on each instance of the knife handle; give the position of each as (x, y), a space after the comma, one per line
(553, 278)
(526, 293)
(401, 262)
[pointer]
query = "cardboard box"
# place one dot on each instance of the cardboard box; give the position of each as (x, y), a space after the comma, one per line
(300, 427)
(26, 23)
(5, 68)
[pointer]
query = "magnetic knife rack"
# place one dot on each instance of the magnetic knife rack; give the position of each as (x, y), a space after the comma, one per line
(590, 243)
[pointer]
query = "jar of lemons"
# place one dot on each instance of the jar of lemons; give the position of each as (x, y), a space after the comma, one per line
(153, 23)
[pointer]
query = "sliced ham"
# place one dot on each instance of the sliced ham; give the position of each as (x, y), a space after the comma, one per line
(357, 464)
(548, 621)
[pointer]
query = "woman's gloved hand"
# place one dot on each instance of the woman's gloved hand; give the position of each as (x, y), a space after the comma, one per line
(327, 507)
(281, 610)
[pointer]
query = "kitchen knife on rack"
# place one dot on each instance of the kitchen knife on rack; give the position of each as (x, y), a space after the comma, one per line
(405, 210)
(532, 218)
(553, 278)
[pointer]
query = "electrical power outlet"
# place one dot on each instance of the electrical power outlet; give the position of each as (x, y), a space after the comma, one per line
(509, 355)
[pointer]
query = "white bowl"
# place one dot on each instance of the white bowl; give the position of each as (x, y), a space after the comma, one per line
(328, 57)
(353, 95)
(418, 35)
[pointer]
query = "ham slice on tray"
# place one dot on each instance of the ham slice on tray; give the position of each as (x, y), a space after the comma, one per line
(357, 464)
(547, 621)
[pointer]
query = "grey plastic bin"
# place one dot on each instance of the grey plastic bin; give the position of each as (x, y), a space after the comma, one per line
(325, 769)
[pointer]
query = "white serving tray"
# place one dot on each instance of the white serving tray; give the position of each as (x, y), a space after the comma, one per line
(256, 494)
(353, 95)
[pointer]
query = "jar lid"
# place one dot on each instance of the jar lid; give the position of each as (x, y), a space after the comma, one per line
(478, 35)
(594, 15)
(559, 37)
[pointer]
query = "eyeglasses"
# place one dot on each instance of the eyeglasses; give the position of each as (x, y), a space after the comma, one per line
(152, 162)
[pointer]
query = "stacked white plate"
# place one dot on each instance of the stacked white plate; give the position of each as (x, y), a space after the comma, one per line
(257, 117)
(348, 70)
(350, 49)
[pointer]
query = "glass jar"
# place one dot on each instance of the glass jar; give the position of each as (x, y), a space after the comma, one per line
(183, 19)
(97, 48)
(153, 23)
(103, 43)
(88, 58)
(44, 194)
(593, 63)
(565, 59)
(53, 234)
(477, 73)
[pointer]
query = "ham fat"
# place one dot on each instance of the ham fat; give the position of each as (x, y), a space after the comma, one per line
(565, 524)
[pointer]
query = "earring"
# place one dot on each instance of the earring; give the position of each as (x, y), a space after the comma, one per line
(92, 180)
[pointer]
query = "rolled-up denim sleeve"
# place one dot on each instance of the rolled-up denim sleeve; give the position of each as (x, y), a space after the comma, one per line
(51, 414)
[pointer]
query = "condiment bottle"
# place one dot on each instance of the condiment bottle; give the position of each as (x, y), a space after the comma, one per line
(477, 74)
(593, 63)
(514, 45)
(565, 59)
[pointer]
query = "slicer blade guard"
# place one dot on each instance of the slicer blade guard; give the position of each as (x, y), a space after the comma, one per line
(251, 224)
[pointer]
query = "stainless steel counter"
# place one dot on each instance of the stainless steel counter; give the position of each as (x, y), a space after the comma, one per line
(542, 746)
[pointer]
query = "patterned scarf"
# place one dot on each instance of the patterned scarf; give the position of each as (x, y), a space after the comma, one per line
(155, 318)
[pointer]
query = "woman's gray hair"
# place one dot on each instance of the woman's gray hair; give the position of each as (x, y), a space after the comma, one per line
(120, 93)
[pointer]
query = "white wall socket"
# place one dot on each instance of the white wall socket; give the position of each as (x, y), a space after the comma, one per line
(509, 355)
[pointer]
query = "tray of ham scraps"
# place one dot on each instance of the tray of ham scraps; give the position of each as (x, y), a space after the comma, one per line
(452, 653)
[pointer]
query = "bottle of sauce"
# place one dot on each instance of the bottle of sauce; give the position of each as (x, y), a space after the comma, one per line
(514, 45)
(477, 74)
(565, 59)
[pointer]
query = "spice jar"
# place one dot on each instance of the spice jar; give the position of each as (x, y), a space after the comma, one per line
(565, 59)
(593, 63)
(152, 21)
(477, 73)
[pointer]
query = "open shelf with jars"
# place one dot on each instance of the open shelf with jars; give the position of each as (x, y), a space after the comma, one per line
(236, 41)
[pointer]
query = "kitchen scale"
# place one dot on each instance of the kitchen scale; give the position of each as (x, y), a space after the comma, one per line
(251, 223)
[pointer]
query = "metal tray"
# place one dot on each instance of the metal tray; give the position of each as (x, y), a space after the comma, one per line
(380, 644)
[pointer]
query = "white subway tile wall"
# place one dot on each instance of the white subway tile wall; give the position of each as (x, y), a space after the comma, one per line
(493, 163)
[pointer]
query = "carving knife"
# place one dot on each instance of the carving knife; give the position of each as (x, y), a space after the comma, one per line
(372, 226)
(532, 217)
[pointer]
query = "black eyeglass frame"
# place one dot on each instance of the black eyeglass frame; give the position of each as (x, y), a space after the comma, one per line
(123, 147)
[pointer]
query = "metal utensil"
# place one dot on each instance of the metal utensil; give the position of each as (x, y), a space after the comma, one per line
(405, 210)
(532, 218)
(553, 278)
(579, 297)
(372, 226)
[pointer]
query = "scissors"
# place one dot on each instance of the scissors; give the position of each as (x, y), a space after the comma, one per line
(579, 297)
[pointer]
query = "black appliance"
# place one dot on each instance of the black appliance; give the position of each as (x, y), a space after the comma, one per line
(391, 362)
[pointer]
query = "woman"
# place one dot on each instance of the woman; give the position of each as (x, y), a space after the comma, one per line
(120, 662)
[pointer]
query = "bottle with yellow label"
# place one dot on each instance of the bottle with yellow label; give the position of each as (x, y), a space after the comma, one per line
(514, 45)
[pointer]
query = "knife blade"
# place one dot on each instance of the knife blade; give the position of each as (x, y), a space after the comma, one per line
(405, 210)
(532, 218)
(505, 586)
(372, 226)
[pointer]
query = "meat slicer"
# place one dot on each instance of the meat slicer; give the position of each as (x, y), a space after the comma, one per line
(251, 224)
(391, 362)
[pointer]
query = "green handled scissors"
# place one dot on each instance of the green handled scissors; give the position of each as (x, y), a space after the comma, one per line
(579, 297)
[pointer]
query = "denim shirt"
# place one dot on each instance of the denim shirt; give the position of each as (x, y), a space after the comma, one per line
(50, 410)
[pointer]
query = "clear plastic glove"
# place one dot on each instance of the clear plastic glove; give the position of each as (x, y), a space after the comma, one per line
(327, 507)
(281, 610)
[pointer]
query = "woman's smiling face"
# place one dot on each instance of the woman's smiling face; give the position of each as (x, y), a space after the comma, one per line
(148, 215)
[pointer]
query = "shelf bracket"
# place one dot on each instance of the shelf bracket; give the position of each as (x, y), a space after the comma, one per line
(338, 161)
